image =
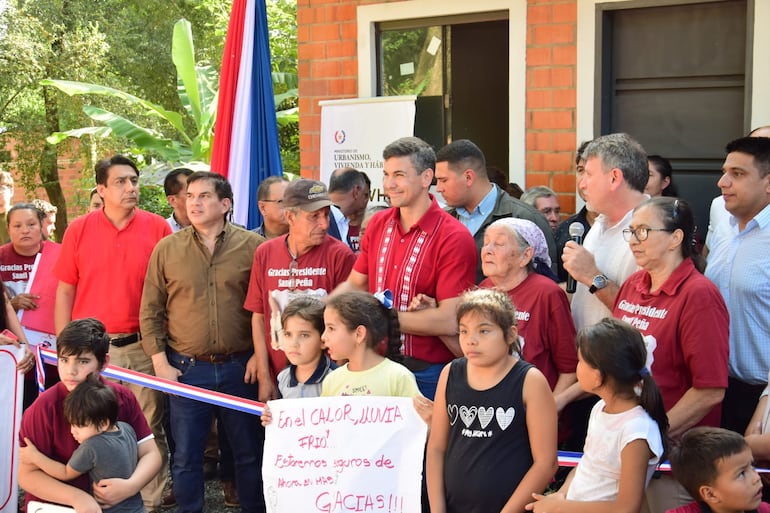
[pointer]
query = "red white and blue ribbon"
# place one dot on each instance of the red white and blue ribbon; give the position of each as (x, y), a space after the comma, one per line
(171, 387)
(565, 458)
(40, 368)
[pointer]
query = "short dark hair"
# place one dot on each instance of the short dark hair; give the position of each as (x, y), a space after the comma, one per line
(171, 185)
(694, 461)
(419, 152)
(102, 168)
(25, 206)
(622, 152)
(757, 147)
(308, 308)
(263, 191)
(93, 192)
(221, 185)
(345, 178)
(580, 153)
(84, 336)
(465, 154)
(91, 402)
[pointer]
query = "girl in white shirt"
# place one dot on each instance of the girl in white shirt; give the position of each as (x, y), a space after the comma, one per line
(626, 430)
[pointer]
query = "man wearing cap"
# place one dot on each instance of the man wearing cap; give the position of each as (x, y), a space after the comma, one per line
(196, 331)
(305, 261)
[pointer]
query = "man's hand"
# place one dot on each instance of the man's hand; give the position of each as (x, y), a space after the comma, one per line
(163, 369)
(110, 492)
(421, 302)
(579, 263)
(168, 372)
(29, 454)
(83, 503)
(266, 386)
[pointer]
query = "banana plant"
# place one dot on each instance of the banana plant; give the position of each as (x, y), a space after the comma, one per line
(197, 88)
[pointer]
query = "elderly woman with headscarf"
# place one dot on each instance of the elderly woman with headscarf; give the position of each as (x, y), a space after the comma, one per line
(514, 259)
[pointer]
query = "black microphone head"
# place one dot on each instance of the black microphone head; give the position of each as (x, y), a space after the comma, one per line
(576, 230)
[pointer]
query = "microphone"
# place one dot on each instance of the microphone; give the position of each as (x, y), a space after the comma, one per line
(576, 232)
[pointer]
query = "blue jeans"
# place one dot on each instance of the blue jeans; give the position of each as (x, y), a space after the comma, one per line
(190, 425)
(427, 380)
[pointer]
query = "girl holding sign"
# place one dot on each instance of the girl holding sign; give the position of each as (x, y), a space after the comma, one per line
(493, 435)
(357, 324)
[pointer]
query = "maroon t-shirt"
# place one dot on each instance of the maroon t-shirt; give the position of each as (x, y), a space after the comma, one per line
(545, 325)
(685, 326)
(317, 272)
(44, 424)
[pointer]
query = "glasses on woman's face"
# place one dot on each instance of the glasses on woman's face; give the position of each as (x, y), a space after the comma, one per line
(641, 233)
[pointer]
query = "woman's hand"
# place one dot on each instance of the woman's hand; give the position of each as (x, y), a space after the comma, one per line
(27, 363)
(24, 301)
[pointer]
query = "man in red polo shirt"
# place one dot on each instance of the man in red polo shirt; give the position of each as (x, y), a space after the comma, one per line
(417, 249)
(101, 270)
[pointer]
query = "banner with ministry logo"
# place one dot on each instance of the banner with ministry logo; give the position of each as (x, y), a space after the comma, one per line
(354, 132)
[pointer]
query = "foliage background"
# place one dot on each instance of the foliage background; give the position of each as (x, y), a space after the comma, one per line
(125, 44)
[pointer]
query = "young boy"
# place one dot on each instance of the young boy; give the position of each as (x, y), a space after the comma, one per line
(82, 350)
(107, 447)
(716, 467)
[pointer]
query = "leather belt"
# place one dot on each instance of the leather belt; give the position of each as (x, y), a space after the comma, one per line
(125, 340)
(415, 364)
(219, 358)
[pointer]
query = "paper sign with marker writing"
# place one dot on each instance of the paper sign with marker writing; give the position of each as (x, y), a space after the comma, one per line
(343, 455)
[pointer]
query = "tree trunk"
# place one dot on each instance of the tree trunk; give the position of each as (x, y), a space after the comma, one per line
(49, 155)
(49, 163)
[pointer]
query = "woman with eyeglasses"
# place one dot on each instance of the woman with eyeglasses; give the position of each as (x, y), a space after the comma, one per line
(684, 321)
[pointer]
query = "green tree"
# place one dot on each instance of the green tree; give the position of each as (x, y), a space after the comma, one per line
(119, 43)
(197, 86)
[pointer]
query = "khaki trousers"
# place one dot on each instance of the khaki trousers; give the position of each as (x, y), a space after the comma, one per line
(153, 404)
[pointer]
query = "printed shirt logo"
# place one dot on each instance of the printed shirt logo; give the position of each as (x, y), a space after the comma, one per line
(468, 415)
(316, 191)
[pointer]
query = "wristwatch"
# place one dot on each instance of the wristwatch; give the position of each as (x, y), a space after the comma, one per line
(599, 282)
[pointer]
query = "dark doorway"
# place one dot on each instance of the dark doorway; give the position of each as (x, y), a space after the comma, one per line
(674, 77)
(458, 68)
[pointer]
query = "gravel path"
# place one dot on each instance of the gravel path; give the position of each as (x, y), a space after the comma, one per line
(214, 501)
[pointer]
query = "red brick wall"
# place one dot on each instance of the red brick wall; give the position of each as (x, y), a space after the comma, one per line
(328, 69)
(551, 96)
(70, 171)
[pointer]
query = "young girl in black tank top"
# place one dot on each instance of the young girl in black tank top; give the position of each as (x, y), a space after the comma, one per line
(493, 433)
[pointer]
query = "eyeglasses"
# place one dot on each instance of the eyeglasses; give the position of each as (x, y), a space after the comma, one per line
(278, 201)
(641, 233)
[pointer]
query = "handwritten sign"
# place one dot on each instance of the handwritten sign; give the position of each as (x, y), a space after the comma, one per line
(10, 412)
(343, 454)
